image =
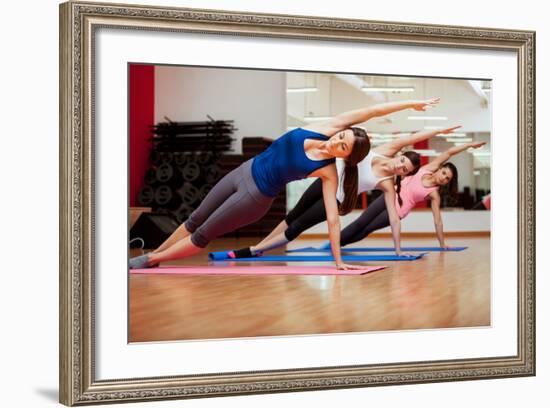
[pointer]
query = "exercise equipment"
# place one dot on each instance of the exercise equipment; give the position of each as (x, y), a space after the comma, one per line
(146, 196)
(212, 173)
(153, 229)
(379, 249)
(165, 197)
(183, 212)
(166, 173)
(191, 171)
(257, 270)
(226, 256)
(189, 193)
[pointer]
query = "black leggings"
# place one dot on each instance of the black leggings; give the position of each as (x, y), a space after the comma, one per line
(374, 218)
(310, 211)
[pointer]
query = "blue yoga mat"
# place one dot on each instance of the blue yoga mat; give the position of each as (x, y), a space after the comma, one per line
(380, 249)
(223, 256)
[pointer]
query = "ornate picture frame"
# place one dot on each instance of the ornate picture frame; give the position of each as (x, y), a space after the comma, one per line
(78, 25)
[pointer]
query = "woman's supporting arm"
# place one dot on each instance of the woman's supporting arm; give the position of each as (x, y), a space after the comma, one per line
(438, 221)
(330, 184)
(388, 188)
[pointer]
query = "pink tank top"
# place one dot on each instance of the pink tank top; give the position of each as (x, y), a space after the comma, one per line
(412, 192)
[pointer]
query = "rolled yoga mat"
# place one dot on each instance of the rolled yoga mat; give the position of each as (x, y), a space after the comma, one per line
(252, 270)
(224, 256)
(379, 249)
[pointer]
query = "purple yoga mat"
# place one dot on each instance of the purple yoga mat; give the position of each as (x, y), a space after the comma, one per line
(252, 270)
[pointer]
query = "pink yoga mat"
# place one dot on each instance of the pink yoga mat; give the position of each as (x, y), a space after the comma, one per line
(252, 270)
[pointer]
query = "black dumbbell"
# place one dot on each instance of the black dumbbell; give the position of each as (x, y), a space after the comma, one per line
(183, 212)
(189, 194)
(191, 171)
(146, 196)
(212, 173)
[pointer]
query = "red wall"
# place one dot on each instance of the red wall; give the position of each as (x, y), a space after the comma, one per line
(142, 116)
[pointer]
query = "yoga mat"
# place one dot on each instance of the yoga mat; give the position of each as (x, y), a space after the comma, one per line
(380, 249)
(224, 256)
(249, 270)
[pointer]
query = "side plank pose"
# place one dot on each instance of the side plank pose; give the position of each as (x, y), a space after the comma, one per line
(245, 194)
(424, 184)
(376, 171)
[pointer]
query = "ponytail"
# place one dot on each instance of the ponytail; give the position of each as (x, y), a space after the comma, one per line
(361, 148)
(351, 177)
(451, 189)
(398, 190)
(415, 161)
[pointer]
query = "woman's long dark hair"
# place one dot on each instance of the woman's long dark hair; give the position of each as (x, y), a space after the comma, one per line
(361, 148)
(415, 160)
(452, 188)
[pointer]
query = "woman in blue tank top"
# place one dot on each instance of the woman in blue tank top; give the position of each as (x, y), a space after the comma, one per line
(245, 195)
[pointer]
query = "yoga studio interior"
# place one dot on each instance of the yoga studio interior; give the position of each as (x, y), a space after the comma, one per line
(188, 127)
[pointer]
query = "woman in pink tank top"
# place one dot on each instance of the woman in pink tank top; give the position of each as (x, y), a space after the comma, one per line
(412, 190)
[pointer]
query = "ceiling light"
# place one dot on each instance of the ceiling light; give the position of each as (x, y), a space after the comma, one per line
(316, 118)
(427, 118)
(396, 89)
(453, 134)
(300, 90)
(426, 152)
(459, 139)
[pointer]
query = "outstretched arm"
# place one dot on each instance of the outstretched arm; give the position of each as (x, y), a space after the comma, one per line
(446, 155)
(438, 222)
(391, 148)
(347, 119)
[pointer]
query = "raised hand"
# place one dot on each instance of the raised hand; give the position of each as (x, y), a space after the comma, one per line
(476, 145)
(449, 130)
(423, 105)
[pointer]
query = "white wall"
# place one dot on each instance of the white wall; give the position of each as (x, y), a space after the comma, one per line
(254, 100)
(29, 241)
(459, 102)
(422, 221)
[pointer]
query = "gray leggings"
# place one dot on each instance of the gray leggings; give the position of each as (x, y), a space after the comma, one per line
(233, 202)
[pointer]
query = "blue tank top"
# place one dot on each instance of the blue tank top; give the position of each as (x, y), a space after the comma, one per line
(285, 161)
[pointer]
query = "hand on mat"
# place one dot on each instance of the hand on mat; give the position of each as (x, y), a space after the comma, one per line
(347, 267)
(427, 104)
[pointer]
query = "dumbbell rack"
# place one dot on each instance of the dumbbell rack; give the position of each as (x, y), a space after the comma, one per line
(187, 159)
(183, 165)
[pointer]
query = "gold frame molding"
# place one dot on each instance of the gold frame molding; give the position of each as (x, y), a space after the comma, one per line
(78, 22)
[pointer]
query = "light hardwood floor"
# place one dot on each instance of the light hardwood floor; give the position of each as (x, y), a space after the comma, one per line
(442, 290)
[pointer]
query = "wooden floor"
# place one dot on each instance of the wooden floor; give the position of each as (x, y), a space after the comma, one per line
(442, 290)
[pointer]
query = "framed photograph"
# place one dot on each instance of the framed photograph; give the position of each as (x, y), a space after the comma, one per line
(163, 108)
